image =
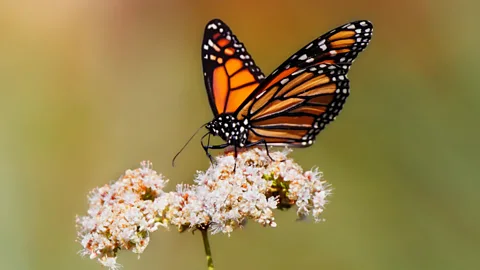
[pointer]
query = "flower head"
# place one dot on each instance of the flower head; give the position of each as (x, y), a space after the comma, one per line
(121, 215)
(222, 199)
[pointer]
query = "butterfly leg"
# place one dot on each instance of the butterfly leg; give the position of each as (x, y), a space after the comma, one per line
(220, 146)
(266, 148)
(206, 147)
(262, 141)
(235, 156)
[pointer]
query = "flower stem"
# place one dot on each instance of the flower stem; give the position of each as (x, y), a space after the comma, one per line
(206, 245)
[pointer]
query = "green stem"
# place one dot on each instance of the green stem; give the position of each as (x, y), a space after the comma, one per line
(206, 245)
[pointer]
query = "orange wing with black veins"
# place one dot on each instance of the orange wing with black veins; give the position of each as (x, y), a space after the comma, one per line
(230, 73)
(293, 104)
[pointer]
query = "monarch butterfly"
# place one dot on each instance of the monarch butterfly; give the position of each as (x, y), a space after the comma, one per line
(290, 106)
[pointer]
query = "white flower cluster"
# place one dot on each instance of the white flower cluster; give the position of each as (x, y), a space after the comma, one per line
(223, 198)
(121, 215)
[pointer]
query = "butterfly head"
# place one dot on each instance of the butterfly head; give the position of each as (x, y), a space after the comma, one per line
(230, 129)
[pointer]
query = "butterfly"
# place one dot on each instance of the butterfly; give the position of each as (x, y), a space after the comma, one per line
(290, 106)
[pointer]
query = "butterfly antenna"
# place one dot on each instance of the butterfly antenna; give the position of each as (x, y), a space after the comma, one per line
(173, 160)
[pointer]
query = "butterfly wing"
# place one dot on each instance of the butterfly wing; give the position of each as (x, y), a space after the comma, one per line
(295, 109)
(340, 46)
(230, 73)
(293, 104)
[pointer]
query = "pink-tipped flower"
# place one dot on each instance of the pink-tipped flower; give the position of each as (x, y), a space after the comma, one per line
(121, 215)
(223, 198)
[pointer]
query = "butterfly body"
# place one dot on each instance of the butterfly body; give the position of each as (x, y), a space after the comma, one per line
(230, 129)
(290, 106)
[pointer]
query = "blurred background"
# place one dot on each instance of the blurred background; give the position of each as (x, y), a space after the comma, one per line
(91, 88)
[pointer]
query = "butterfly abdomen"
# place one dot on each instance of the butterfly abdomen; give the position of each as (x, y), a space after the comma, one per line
(230, 129)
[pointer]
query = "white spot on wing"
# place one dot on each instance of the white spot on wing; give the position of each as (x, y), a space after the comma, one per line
(212, 26)
(298, 72)
(260, 95)
(284, 81)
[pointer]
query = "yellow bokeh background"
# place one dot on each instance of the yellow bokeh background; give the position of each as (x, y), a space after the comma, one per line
(91, 88)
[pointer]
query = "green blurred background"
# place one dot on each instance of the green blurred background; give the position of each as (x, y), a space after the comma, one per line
(91, 88)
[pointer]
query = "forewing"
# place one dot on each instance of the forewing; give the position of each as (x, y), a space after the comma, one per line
(340, 46)
(230, 73)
